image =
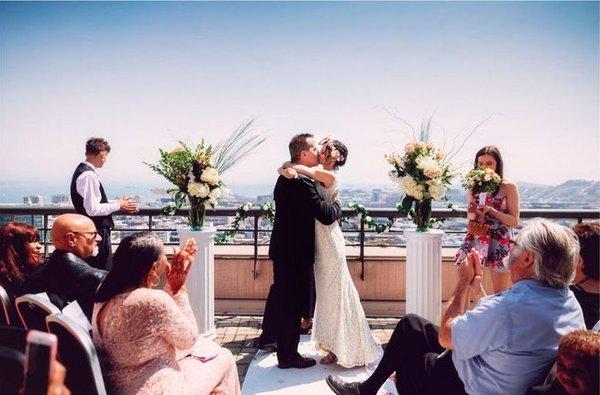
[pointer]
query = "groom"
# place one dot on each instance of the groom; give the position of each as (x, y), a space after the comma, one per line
(292, 251)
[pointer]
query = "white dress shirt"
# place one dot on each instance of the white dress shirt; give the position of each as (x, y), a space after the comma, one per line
(88, 186)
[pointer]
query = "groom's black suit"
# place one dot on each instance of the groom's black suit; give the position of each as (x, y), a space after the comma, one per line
(292, 250)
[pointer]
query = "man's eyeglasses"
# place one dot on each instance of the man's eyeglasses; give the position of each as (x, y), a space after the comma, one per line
(94, 234)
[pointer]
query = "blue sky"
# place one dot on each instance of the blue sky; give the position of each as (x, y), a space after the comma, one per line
(144, 75)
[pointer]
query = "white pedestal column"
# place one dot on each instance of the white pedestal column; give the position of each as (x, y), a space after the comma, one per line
(200, 281)
(424, 273)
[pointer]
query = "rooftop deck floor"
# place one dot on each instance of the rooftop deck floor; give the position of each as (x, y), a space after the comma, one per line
(237, 333)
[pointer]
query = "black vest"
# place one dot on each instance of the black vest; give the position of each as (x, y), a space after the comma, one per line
(101, 222)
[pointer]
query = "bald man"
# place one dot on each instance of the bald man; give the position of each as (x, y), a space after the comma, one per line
(65, 276)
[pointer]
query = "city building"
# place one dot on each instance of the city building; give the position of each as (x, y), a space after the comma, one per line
(60, 199)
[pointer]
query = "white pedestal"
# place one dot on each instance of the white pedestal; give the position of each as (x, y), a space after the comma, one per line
(200, 281)
(424, 273)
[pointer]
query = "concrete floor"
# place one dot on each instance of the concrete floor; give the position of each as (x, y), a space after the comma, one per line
(238, 333)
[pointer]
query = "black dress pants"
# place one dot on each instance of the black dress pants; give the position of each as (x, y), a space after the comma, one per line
(287, 296)
(413, 352)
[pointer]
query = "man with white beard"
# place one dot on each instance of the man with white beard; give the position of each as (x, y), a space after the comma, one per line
(505, 343)
(66, 276)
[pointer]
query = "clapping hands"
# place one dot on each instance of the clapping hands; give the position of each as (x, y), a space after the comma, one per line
(182, 262)
(128, 205)
(470, 270)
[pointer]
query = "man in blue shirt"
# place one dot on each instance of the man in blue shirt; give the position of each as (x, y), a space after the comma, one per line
(501, 346)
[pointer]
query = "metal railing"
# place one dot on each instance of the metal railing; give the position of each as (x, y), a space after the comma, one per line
(254, 216)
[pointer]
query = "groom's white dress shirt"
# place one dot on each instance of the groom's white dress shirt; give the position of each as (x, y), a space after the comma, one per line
(88, 186)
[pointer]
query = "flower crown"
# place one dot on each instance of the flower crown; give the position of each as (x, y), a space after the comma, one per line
(328, 143)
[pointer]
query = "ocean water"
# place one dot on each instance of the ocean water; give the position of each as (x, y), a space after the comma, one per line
(12, 192)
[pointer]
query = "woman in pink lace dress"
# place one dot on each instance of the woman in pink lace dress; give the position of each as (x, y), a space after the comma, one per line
(140, 332)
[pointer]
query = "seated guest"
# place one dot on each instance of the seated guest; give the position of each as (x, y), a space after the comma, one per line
(20, 254)
(138, 329)
(66, 276)
(577, 366)
(501, 346)
(586, 285)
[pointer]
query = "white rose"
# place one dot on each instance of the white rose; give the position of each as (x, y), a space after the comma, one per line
(210, 176)
(215, 193)
(437, 190)
(198, 190)
(410, 187)
(400, 162)
(429, 166)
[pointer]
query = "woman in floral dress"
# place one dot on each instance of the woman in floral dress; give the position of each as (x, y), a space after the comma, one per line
(501, 212)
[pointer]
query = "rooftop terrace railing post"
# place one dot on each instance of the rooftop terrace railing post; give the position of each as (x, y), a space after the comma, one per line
(362, 249)
(150, 222)
(45, 235)
(256, 217)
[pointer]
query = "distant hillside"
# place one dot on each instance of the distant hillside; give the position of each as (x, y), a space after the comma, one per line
(573, 191)
(570, 194)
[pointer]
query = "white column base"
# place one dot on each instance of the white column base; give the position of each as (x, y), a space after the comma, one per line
(200, 281)
(424, 273)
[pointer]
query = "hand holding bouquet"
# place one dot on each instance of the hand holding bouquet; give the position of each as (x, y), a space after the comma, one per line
(480, 181)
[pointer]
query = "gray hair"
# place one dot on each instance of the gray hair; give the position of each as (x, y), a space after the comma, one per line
(556, 251)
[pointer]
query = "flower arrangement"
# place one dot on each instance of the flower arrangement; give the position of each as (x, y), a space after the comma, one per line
(196, 171)
(482, 180)
(422, 175)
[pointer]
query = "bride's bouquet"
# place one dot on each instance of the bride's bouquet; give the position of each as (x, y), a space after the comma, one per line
(422, 175)
(480, 181)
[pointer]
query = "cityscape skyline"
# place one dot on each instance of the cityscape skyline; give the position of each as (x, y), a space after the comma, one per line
(573, 194)
(145, 75)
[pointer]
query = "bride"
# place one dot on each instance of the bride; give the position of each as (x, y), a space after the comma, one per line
(340, 327)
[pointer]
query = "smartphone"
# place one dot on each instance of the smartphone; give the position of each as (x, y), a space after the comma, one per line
(40, 355)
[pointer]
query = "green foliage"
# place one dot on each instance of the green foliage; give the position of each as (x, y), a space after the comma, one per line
(241, 214)
(237, 146)
(369, 222)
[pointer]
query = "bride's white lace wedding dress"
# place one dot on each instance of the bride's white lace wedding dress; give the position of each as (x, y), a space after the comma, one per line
(339, 323)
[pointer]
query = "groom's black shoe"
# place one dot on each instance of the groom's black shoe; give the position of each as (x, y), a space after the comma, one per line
(270, 347)
(300, 363)
(342, 388)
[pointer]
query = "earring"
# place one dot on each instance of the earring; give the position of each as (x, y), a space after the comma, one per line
(153, 280)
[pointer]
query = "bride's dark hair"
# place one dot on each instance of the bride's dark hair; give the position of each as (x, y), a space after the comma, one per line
(331, 146)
